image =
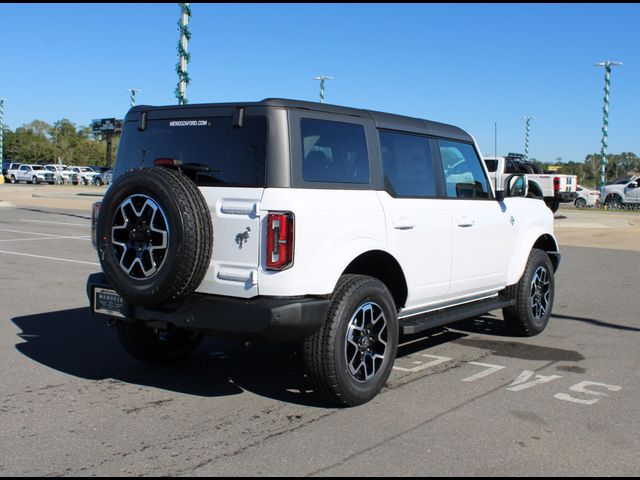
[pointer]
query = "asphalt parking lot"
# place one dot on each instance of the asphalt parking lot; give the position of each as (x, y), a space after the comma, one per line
(462, 400)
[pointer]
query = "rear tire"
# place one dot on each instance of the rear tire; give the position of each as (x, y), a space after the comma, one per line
(350, 358)
(157, 346)
(13, 179)
(534, 295)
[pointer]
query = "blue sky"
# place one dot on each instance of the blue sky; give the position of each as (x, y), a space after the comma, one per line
(469, 65)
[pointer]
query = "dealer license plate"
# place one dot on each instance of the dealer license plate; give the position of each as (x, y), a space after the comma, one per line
(107, 302)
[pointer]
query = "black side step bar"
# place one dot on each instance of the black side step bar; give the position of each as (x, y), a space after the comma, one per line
(442, 317)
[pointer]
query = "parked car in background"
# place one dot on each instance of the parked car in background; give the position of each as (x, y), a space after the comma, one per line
(63, 174)
(108, 177)
(587, 197)
(6, 167)
(86, 175)
(625, 191)
(553, 188)
(34, 174)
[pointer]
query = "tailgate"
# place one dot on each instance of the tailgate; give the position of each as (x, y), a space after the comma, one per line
(236, 241)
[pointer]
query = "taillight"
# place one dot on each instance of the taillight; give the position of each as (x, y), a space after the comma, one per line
(279, 240)
(556, 184)
(166, 162)
(95, 209)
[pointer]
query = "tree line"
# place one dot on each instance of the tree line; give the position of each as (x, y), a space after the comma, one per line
(61, 142)
(588, 172)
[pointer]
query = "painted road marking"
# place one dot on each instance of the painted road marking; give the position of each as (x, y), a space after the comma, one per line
(57, 223)
(582, 388)
(423, 366)
(521, 382)
(86, 237)
(490, 369)
(50, 258)
(30, 233)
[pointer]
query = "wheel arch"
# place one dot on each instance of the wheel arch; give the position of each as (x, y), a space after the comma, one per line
(543, 241)
(383, 266)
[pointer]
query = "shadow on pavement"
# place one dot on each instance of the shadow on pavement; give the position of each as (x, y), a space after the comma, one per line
(49, 212)
(76, 343)
(598, 323)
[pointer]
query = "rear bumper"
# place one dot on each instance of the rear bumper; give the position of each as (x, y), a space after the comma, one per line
(275, 319)
(565, 197)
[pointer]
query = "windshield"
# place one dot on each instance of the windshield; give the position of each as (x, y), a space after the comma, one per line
(233, 156)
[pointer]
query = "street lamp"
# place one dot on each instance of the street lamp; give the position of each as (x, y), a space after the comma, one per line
(322, 78)
(605, 120)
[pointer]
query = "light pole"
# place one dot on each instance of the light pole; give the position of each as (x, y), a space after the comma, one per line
(185, 57)
(133, 92)
(322, 78)
(526, 135)
(605, 121)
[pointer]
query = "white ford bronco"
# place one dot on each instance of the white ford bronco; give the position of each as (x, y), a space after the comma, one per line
(336, 227)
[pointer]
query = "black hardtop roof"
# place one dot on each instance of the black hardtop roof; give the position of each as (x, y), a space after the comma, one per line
(382, 120)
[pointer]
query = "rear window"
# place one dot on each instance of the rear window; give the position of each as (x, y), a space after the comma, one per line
(492, 165)
(233, 156)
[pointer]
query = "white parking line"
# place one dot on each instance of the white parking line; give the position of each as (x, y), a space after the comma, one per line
(57, 223)
(50, 258)
(86, 237)
(32, 233)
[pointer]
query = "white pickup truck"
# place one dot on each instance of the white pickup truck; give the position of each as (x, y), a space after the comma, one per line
(553, 188)
(623, 192)
(31, 174)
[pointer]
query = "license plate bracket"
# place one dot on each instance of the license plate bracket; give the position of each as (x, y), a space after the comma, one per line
(107, 302)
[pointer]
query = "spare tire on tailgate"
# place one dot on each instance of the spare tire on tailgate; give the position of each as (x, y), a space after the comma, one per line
(154, 235)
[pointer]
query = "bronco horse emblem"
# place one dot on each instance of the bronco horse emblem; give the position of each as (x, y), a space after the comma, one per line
(242, 238)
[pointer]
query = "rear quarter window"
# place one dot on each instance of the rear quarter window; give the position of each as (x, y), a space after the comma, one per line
(334, 152)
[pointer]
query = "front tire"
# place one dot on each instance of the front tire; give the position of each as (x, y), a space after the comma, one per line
(613, 202)
(580, 203)
(534, 295)
(13, 179)
(350, 358)
(553, 205)
(152, 345)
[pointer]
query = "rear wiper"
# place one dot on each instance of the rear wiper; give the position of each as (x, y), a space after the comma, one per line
(198, 167)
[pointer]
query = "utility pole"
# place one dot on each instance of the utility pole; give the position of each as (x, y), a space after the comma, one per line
(185, 57)
(133, 92)
(605, 121)
(526, 135)
(322, 78)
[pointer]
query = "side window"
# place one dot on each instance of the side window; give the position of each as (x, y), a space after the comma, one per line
(333, 152)
(492, 165)
(463, 173)
(407, 163)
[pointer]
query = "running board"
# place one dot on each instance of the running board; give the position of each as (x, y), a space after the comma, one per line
(442, 317)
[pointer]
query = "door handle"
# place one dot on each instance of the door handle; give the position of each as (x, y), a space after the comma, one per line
(466, 222)
(403, 224)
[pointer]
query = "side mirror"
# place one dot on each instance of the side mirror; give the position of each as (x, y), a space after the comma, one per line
(516, 185)
(633, 185)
